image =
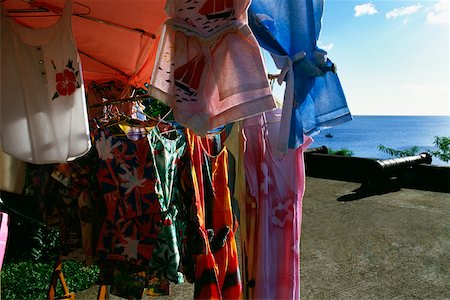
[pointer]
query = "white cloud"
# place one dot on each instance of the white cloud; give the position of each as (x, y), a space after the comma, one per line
(439, 14)
(365, 9)
(403, 11)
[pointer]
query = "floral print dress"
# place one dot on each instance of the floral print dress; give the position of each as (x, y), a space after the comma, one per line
(127, 179)
(140, 181)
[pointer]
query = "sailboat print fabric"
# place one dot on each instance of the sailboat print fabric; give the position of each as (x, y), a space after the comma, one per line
(206, 19)
(208, 67)
(314, 99)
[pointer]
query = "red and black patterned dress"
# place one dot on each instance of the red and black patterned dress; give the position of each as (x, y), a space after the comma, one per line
(127, 180)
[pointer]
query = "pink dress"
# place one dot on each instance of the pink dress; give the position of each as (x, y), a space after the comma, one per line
(277, 182)
(4, 220)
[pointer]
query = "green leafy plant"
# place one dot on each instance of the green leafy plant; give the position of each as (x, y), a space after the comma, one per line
(399, 153)
(47, 244)
(442, 153)
(30, 280)
(27, 276)
(78, 276)
(25, 280)
(342, 152)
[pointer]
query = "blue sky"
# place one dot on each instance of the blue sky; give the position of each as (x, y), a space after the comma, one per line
(392, 56)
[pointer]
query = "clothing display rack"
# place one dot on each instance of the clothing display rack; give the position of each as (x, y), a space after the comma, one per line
(120, 101)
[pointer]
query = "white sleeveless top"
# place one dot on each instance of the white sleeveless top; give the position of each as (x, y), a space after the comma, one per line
(43, 115)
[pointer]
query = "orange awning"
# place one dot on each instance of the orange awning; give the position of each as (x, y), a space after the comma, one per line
(116, 39)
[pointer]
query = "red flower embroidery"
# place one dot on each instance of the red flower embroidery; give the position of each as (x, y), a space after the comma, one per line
(66, 82)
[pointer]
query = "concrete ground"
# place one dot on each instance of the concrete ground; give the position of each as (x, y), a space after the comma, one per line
(387, 246)
(390, 246)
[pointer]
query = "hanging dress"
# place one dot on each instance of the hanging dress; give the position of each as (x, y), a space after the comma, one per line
(209, 68)
(43, 113)
(277, 181)
(248, 209)
(314, 98)
(133, 213)
(167, 157)
(217, 267)
(78, 207)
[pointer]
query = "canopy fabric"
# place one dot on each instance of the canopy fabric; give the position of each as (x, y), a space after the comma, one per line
(314, 99)
(117, 40)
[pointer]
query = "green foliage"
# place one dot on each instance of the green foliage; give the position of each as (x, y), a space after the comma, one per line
(30, 280)
(399, 153)
(78, 276)
(157, 109)
(442, 143)
(25, 280)
(27, 272)
(443, 152)
(342, 152)
(47, 244)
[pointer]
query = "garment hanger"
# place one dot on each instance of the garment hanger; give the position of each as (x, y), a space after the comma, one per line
(124, 100)
(121, 125)
(165, 116)
(41, 7)
(272, 78)
(135, 127)
(109, 111)
(111, 118)
(167, 123)
(136, 101)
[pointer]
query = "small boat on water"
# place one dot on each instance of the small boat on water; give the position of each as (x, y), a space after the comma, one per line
(328, 135)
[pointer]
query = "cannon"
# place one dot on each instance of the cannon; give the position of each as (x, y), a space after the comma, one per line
(373, 174)
(386, 174)
(388, 168)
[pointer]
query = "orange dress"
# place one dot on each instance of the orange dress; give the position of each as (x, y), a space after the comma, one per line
(217, 268)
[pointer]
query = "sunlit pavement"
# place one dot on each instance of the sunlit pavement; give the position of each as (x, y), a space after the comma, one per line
(394, 245)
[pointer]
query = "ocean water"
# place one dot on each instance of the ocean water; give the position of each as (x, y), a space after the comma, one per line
(364, 134)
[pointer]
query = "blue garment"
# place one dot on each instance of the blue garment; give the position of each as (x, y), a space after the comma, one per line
(314, 99)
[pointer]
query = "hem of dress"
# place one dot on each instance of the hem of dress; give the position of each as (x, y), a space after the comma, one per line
(244, 111)
(335, 117)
